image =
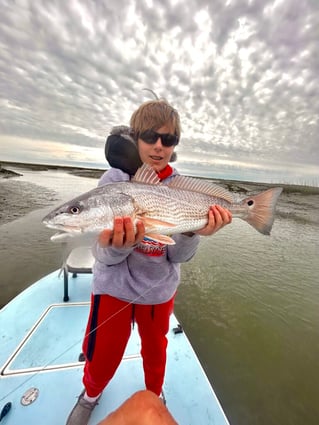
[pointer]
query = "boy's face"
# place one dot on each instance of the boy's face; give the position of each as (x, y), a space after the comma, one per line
(156, 155)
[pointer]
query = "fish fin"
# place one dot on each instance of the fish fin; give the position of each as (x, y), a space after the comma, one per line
(261, 209)
(154, 222)
(164, 239)
(201, 186)
(146, 174)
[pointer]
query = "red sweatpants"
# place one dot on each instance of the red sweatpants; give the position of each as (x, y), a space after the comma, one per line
(107, 333)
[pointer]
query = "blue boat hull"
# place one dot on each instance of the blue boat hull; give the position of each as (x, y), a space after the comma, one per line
(41, 373)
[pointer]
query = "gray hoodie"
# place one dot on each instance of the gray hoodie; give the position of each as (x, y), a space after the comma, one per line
(148, 273)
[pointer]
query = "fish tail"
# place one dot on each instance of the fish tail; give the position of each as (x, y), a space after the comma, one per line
(261, 209)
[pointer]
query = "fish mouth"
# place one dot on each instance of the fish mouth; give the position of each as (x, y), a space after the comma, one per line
(63, 236)
(60, 236)
(74, 237)
(62, 227)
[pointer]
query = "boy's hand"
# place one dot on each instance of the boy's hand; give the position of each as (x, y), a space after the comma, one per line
(123, 235)
(218, 217)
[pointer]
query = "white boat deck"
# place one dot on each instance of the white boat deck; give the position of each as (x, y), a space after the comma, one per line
(41, 339)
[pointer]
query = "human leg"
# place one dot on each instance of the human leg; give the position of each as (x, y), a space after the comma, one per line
(153, 325)
(107, 333)
(106, 336)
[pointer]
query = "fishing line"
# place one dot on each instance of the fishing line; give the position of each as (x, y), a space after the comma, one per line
(153, 93)
(76, 343)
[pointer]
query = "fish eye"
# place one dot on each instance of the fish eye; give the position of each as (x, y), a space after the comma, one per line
(74, 209)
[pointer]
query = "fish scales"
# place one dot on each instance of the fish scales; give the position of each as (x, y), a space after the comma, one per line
(139, 200)
(181, 206)
(169, 205)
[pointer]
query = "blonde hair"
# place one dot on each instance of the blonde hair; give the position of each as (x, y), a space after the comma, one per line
(154, 114)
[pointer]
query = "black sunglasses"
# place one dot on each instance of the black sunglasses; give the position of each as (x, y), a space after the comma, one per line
(150, 137)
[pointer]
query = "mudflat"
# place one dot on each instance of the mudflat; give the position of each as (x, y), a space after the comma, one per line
(18, 197)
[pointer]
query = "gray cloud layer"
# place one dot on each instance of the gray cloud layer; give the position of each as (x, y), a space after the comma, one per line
(243, 74)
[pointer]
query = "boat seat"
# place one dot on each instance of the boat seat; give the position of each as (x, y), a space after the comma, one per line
(80, 260)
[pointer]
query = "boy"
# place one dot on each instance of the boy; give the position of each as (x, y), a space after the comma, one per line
(134, 278)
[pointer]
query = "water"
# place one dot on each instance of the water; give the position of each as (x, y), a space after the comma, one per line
(253, 315)
(248, 303)
(26, 253)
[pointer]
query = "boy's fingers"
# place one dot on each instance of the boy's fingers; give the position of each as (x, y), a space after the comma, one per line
(104, 238)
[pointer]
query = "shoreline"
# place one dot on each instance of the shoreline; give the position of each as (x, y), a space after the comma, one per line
(239, 186)
(78, 171)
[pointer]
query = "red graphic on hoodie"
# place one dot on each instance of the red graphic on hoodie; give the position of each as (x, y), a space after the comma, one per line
(151, 248)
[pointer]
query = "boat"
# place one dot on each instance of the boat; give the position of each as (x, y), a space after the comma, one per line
(41, 363)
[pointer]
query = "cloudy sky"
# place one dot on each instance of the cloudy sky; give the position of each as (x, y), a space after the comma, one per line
(244, 75)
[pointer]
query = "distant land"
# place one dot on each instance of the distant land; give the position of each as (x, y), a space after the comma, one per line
(79, 171)
(232, 185)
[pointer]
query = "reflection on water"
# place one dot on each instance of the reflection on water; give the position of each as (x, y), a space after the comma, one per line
(249, 303)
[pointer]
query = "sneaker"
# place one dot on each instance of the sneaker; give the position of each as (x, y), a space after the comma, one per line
(81, 412)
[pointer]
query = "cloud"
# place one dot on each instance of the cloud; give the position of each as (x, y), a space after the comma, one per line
(244, 76)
